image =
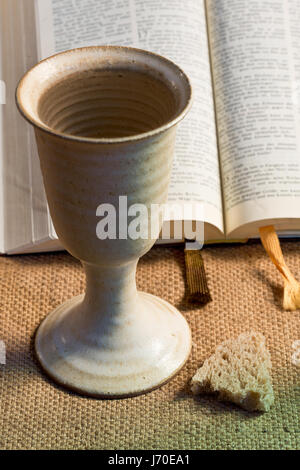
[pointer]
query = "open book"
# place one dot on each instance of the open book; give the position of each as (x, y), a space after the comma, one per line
(238, 151)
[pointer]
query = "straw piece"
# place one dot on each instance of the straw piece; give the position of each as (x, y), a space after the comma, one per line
(291, 289)
(197, 287)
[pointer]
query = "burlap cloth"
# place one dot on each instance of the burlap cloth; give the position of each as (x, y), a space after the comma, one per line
(36, 414)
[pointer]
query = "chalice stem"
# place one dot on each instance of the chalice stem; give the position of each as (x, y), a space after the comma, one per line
(110, 291)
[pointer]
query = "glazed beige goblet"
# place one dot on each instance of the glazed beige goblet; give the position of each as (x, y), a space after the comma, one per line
(105, 121)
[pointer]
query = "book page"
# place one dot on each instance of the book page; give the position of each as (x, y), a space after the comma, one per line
(17, 217)
(24, 218)
(176, 30)
(2, 104)
(256, 70)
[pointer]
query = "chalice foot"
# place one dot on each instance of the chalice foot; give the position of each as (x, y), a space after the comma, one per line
(127, 358)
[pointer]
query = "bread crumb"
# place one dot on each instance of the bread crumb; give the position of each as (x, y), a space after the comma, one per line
(240, 372)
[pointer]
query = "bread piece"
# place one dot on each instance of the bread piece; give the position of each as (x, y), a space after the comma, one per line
(239, 371)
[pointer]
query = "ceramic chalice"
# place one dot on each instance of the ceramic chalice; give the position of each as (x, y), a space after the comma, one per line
(105, 121)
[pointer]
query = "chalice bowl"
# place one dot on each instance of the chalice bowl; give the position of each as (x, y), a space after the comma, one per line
(105, 120)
